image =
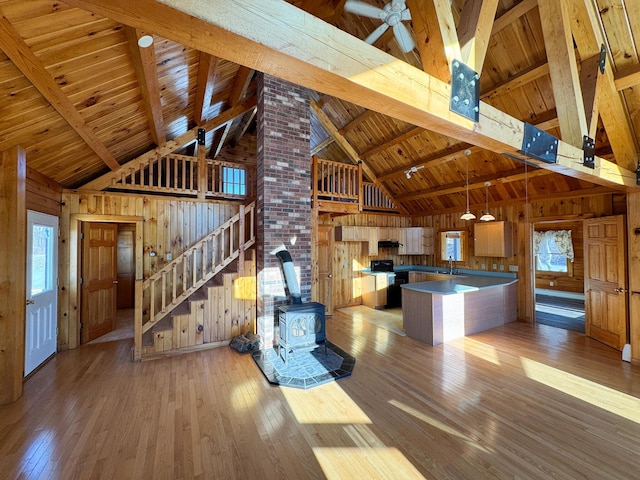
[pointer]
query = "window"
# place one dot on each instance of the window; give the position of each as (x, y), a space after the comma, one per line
(41, 259)
(233, 180)
(453, 245)
(553, 250)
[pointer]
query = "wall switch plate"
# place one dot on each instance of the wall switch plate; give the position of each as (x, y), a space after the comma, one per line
(513, 268)
(551, 284)
(502, 268)
(495, 266)
(169, 257)
(483, 266)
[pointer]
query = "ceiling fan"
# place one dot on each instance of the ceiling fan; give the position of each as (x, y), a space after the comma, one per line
(392, 15)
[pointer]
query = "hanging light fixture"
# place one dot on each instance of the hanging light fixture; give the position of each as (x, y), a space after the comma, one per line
(487, 217)
(467, 215)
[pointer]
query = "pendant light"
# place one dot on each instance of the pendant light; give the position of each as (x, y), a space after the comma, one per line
(467, 215)
(487, 217)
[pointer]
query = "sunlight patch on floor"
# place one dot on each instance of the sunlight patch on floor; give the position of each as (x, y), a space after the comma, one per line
(325, 404)
(436, 423)
(598, 395)
(370, 463)
(479, 349)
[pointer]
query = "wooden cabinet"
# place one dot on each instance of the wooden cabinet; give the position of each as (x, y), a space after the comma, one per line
(351, 233)
(493, 239)
(417, 241)
(389, 233)
(372, 241)
(374, 290)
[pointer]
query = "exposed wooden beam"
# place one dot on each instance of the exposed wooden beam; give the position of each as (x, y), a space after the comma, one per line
(240, 85)
(106, 180)
(26, 61)
(436, 38)
(563, 68)
(515, 175)
(528, 75)
(323, 144)
(293, 45)
(588, 39)
(144, 63)
(474, 30)
(206, 83)
(247, 119)
(590, 85)
(401, 137)
(363, 117)
(331, 129)
(511, 15)
(627, 77)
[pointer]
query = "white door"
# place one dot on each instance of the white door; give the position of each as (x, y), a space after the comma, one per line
(42, 289)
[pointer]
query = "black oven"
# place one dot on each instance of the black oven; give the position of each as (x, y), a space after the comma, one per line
(394, 280)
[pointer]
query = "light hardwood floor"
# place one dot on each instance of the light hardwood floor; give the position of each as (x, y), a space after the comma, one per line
(520, 401)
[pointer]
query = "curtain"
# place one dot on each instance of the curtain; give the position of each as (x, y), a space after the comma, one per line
(561, 238)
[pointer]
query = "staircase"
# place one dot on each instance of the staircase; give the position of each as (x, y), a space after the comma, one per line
(211, 308)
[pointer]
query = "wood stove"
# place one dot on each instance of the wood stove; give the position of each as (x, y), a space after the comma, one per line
(302, 328)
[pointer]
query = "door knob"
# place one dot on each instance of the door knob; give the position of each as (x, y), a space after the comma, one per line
(330, 276)
(115, 281)
(30, 302)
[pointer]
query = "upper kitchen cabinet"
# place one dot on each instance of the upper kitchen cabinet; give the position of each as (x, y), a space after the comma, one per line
(493, 239)
(416, 241)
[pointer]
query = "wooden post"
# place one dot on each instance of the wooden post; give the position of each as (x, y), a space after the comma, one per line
(241, 240)
(137, 322)
(633, 268)
(202, 172)
(13, 245)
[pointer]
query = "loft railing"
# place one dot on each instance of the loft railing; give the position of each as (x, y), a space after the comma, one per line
(374, 199)
(185, 175)
(157, 296)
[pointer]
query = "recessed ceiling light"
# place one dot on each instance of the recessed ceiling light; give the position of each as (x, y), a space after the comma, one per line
(145, 41)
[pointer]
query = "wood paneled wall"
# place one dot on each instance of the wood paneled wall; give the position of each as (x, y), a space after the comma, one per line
(43, 194)
(350, 257)
(168, 226)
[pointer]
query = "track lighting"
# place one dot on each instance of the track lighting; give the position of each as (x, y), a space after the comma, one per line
(412, 170)
(467, 215)
(487, 217)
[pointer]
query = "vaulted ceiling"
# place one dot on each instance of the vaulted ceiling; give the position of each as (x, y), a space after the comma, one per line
(83, 98)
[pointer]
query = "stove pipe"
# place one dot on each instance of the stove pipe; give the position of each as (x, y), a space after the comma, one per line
(289, 272)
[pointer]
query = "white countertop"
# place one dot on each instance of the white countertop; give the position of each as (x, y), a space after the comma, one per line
(459, 284)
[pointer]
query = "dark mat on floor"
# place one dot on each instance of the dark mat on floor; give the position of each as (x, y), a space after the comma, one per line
(566, 313)
(305, 369)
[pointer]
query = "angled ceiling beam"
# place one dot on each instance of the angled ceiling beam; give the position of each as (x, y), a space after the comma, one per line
(207, 66)
(291, 44)
(474, 31)
(515, 175)
(436, 38)
(25, 60)
(363, 117)
(247, 119)
(563, 68)
(323, 144)
(401, 137)
(511, 15)
(240, 85)
(627, 77)
(106, 180)
(144, 63)
(331, 129)
(522, 78)
(609, 104)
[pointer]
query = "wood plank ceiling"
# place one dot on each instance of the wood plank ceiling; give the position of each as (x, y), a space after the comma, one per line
(82, 98)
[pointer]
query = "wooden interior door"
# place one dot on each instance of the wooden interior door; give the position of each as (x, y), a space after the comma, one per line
(325, 267)
(606, 301)
(126, 265)
(99, 279)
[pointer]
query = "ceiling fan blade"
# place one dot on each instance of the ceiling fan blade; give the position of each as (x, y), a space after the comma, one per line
(404, 37)
(376, 34)
(364, 9)
(405, 15)
(398, 5)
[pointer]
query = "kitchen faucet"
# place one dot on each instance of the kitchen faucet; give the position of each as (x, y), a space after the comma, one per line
(450, 265)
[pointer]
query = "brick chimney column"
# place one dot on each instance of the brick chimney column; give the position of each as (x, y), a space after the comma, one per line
(283, 196)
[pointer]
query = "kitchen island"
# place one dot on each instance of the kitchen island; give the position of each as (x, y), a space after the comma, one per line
(438, 311)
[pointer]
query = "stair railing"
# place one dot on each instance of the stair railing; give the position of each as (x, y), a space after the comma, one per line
(157, 296)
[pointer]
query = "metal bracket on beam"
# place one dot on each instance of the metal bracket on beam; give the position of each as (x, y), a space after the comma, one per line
(201, 136)
(603, 58)
(589, 149)
(465, 91)
(539, 144)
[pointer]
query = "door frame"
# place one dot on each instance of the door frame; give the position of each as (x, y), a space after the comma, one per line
(75, 246)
